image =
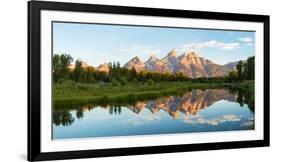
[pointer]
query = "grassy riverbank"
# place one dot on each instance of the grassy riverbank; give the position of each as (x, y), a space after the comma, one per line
(70, 93)
(248, 86)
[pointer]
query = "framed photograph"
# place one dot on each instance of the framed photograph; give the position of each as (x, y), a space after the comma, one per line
(115, 80)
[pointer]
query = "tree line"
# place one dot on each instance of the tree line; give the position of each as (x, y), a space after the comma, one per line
(116, 74)
(119, 75)
(244, 70)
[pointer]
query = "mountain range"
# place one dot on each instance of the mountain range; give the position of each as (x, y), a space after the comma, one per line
(190, 64)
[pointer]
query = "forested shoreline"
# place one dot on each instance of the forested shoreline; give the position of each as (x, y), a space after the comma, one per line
(120, 75)
(82, 85)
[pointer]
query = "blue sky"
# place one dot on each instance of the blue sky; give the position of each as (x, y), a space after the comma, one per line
(97, 44)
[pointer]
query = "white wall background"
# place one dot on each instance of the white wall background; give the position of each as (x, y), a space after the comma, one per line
(13, 81)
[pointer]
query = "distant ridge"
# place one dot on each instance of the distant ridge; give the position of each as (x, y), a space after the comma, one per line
(190, 64)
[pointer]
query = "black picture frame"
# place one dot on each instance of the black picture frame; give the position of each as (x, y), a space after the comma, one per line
(34, 81)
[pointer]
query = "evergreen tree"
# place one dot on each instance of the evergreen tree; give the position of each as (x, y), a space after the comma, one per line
(251, 68)
(239, 68)
(78, 71)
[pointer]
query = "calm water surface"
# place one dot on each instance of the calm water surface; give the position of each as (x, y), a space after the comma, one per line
(194, 111)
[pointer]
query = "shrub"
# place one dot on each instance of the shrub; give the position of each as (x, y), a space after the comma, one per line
(123, 81)
(150, 82)
(114, 82)
(82, 86)
(135, 80)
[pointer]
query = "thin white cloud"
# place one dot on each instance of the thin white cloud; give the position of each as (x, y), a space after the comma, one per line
(212, 44)
(146, 119)
(249, 44)
(212, 121)
(249, 122)
(246, 41)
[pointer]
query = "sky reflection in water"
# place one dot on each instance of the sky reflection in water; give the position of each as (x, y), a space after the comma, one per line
(195, 111)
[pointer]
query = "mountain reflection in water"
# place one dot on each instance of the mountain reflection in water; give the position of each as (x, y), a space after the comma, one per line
(189, 103)
(193, 107)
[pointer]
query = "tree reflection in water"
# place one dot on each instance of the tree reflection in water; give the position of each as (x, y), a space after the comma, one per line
(189, 103)
(115, 109)
(63, 118)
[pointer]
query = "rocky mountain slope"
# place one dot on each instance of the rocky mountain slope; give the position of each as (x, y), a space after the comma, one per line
(190, 103)
(190, 64)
